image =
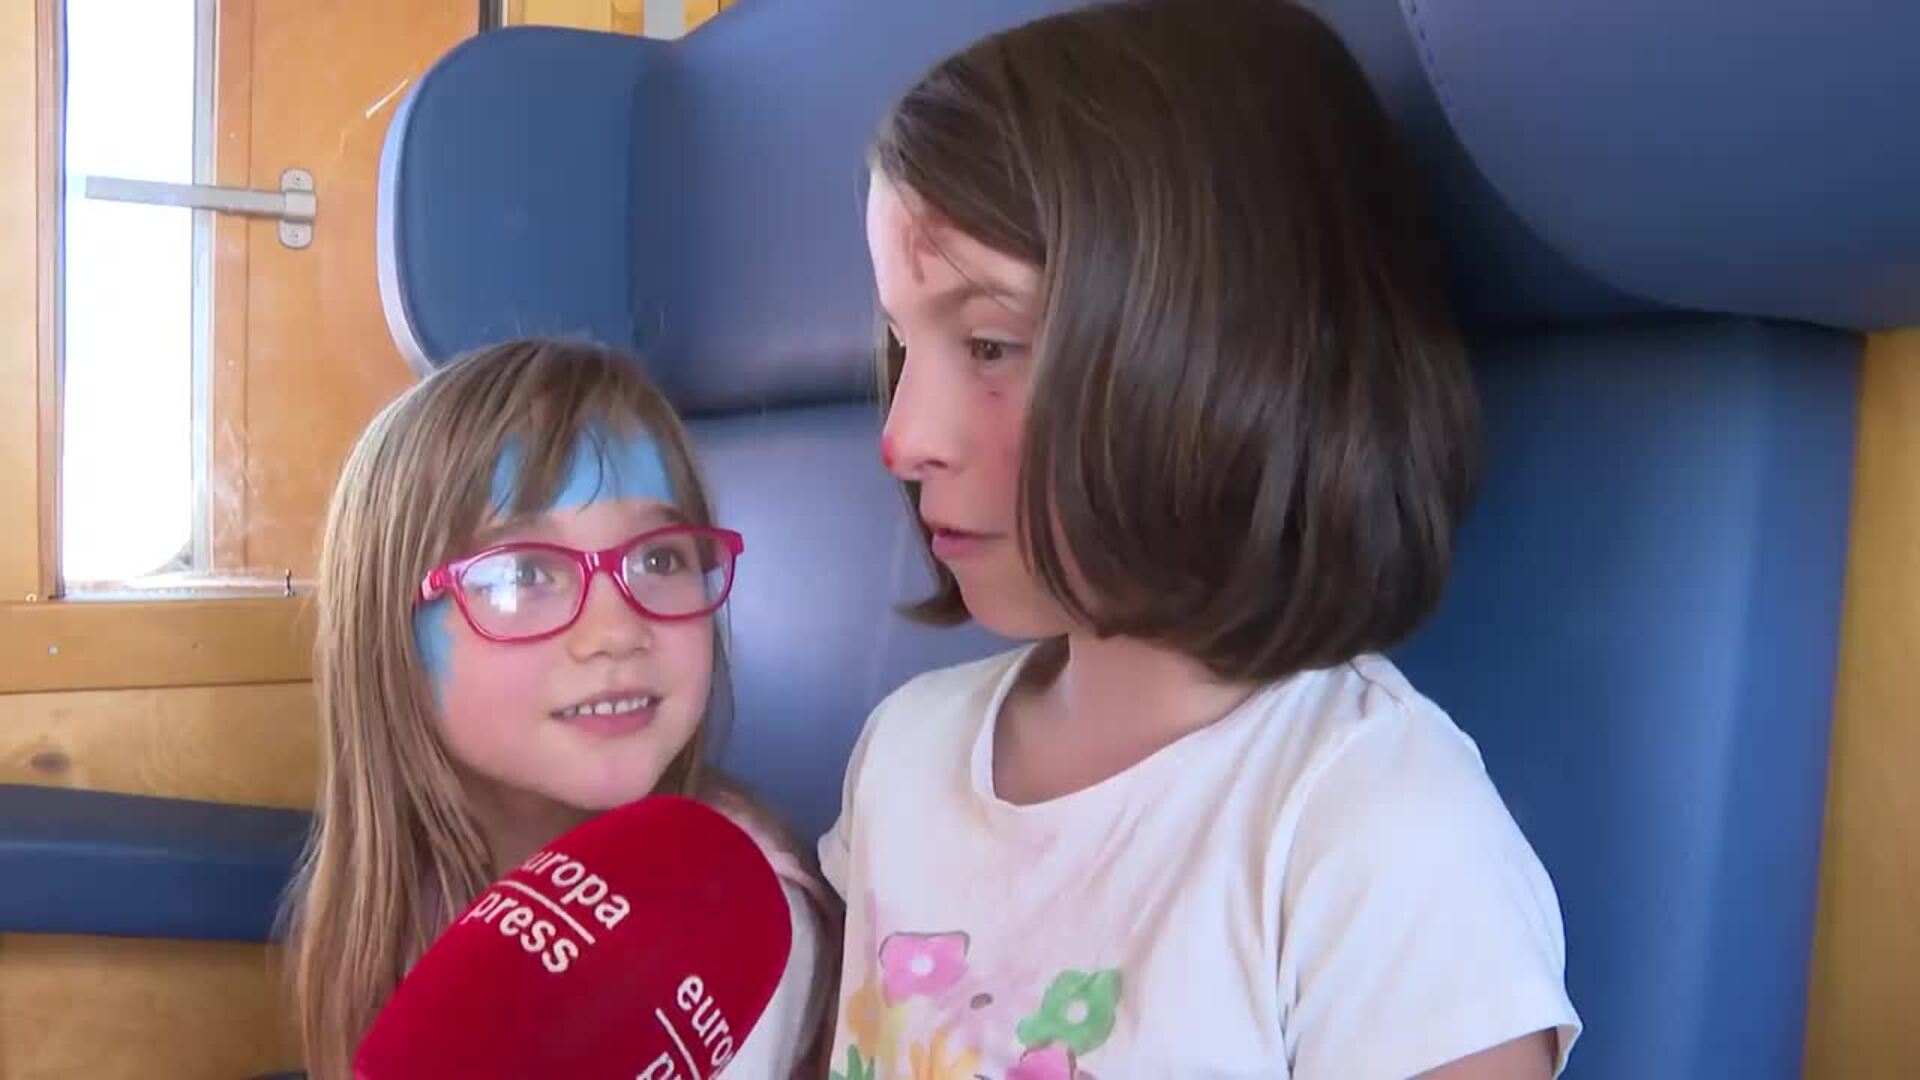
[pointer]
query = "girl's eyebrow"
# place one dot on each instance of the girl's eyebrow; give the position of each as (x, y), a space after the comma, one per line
(663, 514)
(951, 300)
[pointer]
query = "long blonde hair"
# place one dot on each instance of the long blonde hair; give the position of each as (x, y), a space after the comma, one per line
(397, 851)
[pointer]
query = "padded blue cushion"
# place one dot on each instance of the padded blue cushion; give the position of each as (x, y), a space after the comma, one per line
(816, 640)
(476, 189)
(701, 199)
(91, 862)
(1758, 157)
(1641, 636)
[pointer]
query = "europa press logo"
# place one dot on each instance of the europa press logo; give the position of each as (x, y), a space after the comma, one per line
(555, 909)
(553, 927)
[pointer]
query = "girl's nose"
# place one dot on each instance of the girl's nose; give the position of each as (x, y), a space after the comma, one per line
(920, 435)
(608, 625)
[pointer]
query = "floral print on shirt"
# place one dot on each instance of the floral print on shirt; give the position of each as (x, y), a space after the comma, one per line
(922, 1013)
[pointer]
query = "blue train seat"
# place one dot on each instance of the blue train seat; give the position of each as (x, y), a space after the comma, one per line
(102, 863)
(1668, 223)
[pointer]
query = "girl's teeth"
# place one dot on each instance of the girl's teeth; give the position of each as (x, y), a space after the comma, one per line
(609, 708)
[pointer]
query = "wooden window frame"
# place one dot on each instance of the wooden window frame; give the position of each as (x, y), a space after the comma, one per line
(49, 643)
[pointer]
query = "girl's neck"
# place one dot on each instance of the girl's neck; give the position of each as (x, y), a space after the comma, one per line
(1089, 708)
(517, 824)
(1108, 683)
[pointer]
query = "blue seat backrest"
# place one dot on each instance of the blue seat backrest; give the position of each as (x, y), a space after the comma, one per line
(1667, 222)
(109, 864)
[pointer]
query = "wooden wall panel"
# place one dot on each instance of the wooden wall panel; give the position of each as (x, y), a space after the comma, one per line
(140, 1010)
(627, 16)
(324, 85)
(254, 745)
(581, 14)
(616, 16)
(1866, 976)
(699, 11)
(110, 645)
(231, 285)
(26, 300)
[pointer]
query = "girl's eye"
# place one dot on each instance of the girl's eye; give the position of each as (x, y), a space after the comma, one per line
(516, 571)
(665, 559)
(989, 351)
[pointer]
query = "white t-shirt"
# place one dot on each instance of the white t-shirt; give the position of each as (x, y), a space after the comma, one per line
(1323, 885)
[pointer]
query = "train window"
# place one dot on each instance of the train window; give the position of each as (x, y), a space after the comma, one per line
(133, 468)
(222, 337)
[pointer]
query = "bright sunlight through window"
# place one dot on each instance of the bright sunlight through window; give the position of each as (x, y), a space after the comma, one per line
(128, 493)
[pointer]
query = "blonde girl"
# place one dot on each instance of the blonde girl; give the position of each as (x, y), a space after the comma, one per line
(518, 601)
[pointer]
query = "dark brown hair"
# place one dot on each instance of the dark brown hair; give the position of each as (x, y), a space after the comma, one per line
(1252, 429)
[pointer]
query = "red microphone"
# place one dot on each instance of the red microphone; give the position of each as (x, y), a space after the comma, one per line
(642, 945)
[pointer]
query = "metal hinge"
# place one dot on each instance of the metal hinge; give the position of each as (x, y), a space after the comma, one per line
(294, 205)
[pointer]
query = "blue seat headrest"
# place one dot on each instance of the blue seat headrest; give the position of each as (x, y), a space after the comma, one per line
(1754, 158)
(700, 199)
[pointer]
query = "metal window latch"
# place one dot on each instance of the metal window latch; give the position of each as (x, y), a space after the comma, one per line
(294, 205)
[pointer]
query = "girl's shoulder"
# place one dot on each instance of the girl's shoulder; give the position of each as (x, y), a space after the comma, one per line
(793, 1037)
(968, 684)
(791, 860)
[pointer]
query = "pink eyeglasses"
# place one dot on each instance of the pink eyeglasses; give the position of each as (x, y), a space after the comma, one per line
(531, 591)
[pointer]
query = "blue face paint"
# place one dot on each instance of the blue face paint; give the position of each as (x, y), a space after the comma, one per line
(434, 640)
(599, 468)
